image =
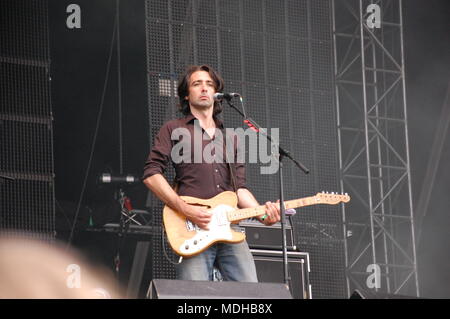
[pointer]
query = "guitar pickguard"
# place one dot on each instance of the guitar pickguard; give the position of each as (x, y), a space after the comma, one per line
(219, 230)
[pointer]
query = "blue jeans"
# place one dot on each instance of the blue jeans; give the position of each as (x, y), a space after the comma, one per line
(234, 261)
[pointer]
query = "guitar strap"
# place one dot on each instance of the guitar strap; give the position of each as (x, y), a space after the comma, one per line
(233, 174)
(232, 165)
(175, 185)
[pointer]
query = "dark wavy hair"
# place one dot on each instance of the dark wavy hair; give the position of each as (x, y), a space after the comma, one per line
(183, 88)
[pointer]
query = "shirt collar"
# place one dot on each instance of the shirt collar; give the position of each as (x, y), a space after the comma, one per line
(190, 118)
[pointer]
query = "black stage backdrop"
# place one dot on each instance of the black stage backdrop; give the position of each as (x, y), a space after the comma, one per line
(276, 53)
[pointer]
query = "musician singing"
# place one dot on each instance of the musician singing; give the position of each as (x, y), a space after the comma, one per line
(204, 179)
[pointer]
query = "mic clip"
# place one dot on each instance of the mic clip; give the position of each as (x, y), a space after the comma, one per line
(227, 96)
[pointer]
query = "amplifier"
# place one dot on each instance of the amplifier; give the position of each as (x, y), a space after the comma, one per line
(269, 268)
(260, 236)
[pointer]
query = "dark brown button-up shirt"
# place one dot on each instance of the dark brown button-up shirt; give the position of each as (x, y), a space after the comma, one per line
(198, 177)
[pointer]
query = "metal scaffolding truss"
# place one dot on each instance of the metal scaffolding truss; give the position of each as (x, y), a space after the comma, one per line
(373, 142)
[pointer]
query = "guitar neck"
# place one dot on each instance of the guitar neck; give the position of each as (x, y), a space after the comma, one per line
(245, 213)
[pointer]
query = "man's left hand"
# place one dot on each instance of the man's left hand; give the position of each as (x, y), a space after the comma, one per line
(272, 213)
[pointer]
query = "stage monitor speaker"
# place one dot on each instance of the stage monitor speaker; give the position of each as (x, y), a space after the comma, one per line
(367, 294)
(186, 289)
(269, 267)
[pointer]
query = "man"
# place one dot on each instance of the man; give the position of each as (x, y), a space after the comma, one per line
(203, 180)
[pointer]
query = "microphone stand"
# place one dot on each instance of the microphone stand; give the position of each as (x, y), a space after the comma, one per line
(123, 229)
(281, 154)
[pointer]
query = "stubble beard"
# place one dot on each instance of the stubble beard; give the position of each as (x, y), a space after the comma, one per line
(202, 105)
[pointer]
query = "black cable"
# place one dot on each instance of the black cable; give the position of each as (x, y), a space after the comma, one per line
(99, 115)
(165, 250)
(119, 90)
(291, 222)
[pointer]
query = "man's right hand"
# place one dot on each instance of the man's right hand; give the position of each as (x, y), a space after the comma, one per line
(198, 215)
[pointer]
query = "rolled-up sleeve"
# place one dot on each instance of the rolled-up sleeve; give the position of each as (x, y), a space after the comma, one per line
(240, 176)
(159, 157)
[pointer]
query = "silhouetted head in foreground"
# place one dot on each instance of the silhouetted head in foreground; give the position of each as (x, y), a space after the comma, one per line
(31, 269)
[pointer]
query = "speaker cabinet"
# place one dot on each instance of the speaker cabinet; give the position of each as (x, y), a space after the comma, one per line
(269, 267)
(186, 289)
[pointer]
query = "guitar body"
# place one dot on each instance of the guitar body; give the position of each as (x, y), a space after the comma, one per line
(187, 239)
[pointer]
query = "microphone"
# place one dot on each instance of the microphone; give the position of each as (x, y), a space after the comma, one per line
(107, 178)
(227, 96)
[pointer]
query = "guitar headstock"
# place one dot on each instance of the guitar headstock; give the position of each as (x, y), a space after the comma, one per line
(332, 198)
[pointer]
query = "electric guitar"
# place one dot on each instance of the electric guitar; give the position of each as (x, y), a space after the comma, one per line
(187, 239)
